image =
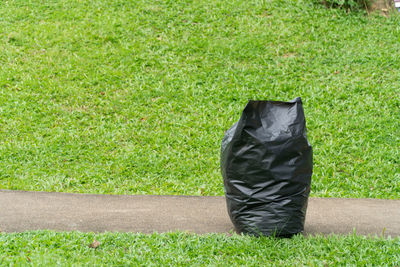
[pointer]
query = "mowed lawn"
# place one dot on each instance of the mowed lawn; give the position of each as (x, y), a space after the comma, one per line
(180, 249)
(133, 97)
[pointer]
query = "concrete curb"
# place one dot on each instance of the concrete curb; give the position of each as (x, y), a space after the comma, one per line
(23, 211)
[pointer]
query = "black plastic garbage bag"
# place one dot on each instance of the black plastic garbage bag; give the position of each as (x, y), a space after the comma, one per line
(266, 163)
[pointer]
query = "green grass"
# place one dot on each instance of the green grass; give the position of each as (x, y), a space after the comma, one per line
(133, 97)
(180, 249)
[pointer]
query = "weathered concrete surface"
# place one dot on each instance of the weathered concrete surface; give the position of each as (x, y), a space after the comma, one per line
(21, 211)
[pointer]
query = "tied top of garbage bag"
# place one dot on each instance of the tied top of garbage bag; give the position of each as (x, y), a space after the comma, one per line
(266, 163)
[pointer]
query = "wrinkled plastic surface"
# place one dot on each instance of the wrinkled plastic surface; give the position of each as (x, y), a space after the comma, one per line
(266, 163)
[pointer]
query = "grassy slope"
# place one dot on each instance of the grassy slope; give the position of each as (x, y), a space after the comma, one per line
(177, 249)
(134, 96)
